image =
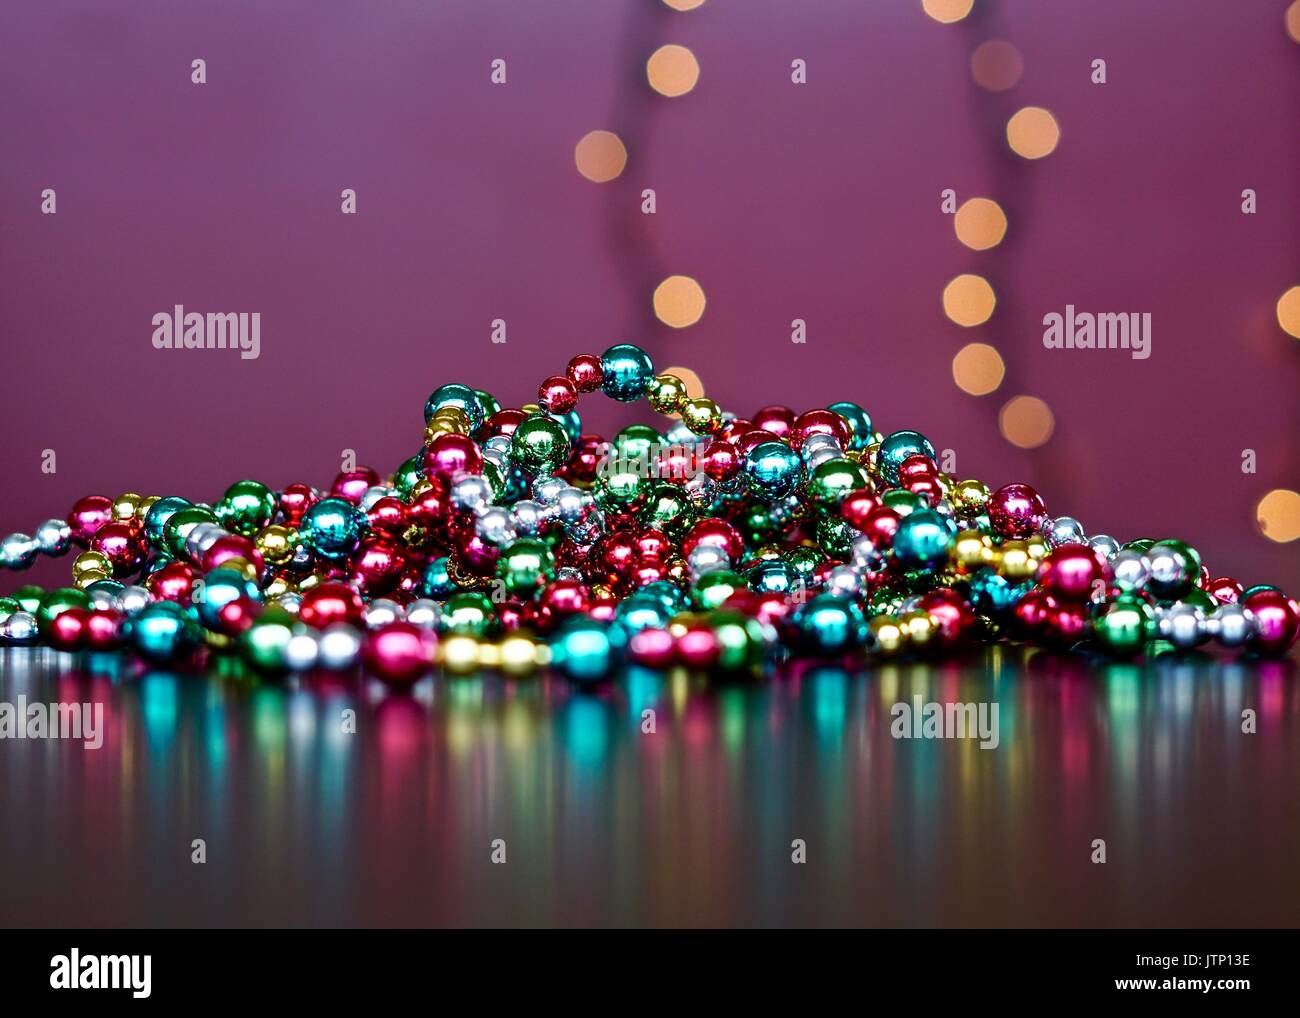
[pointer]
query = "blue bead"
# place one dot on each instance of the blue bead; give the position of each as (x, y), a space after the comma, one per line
(772, 470)
(898, 447)
(829, 625)
(220, 587)
(163, 632)
(586, 650)
(333, 527)
(158, 515)
(437, 582)
(922, 539)
(627, 372)
(859, 423)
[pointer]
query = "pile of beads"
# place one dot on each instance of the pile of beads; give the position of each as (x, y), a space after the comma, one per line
(511, 541)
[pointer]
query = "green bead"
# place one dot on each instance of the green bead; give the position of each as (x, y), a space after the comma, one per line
(805, 562)
(1125, 626)
(898, 447)
(525, 566)
(922, 539)
(263, 644)
(468, 613)
(180, 523)
(627, 372)
(739, 639)
(488, 402)
(772, 470)
(829, 626)
(667, 508)
(246, 507)
(539, 445)
(835, 536)
(29, 596)
(462, 397)
(57, 601)
(586, 650)
(409, 474)
(333, 527)
(859, 423)
(903, 502)
(163, 632)
(831, 480)
(637, 442)
(713, 588)
(8, 605)
(158, 515)
(773, 576)
(619, 484)
(219, 588)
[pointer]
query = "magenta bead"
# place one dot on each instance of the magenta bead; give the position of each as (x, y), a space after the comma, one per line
(1016, 510)
(451, 455)
(1074, 572)
(1276, 622)
(400, 652)
(87, 516)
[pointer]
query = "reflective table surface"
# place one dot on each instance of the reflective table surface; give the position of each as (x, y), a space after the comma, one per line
(327, 801)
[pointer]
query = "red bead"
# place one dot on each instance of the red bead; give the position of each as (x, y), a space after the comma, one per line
(399, 652)
(504, 422)
(1225, 590)
(819, 422)
(956, 618)
(654, 546)
(1032, 612)
(616, 554)
(295, 500)
(231, 546)
(173, 582)
(585, 372)
(120, 543)
(387, 515)
(557, 395)
(448, 456)
(776, 419)
(734, 428)
(751, 440)
(87, 516)
(603, 609)
(1276, 622)
(1074, 573)
(104, 629)
(564, 597)
(431, 509)
(653, 648)
(584, 462)
(857, 506)
(721, 460)
(378, 564)
(880, 524)
(676, 463)
(235, 616)
(915, 468)
(1067, 624)
(328, 603)
(698, 646)
(1016, 510)
(67, 630)
(715, 532)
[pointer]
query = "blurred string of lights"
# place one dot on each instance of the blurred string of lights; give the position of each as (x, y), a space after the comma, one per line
(980, 223)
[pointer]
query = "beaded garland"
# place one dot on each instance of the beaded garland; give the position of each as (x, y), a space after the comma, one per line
(512, 541)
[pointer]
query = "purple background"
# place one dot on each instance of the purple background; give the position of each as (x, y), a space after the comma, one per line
(818, 202)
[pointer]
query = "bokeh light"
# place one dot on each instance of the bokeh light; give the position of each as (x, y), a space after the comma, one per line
(978, 369)
(679, 301)
(600, 156)
(947, 11)
(1026, 421)
(672, 70)
(980, 223)
(996, 65)
(684, 5)
(1293, 21)
(969, 300)
(1032, 132)
(1278, 515)
(1288, 312)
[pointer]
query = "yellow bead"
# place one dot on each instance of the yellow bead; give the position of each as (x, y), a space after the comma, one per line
(518, 656)
(530, 408)
(276, 543)
(146, 504)
(126, 505)
(242, 566)
(309, 582)
(1014, 561)
(919, 628)
(1037, 547)
(971, 550)
(969, 497)
(489, 656)
(438, 427)
(702, 415)
(459, 655)
(455, 417)
(90, 576)
(886, 635)
(278, 585)
(91, 561)
(666, 394)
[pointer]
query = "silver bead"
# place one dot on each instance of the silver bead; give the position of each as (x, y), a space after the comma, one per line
(423, 612)
(290, 601)
(569, 573)
(707, 558)
(526, 515)
(495, 525)
(570, 504)
(816, 442)
(680, 434)
(200, 538)
(302, 652)
(471, 493)
(843, 581)
(339, 646)
(131, 600)
(54, 537)
(1166, 567)
(863, 554)
(382, 611)
(498, 443)
(546, 490)
(497, 458)
(1062, 530)
(1104, 544)
(103, 594)
(373, 494)
(1232, 624)
(18, 550)
(1132, 570)
(819, 456)
(20, 627)
(1183, 626)
(701, 490)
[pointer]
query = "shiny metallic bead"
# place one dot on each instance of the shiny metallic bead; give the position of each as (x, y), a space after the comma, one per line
(20, 627)
(54, 537)
(680, 434)
(497, 458)
(471, 493)
(1183, 626)
(498, 443)
(570, 504)
(381, 611)
(289, 601)
(132, 599)
(546, 490)
(1062, 530)
(707, 558)
(496, 525)
(863, 554)
(302, 559)
(373, 494)
(527, 517)
(1165, 565)
(424, 612)
(569, 573)
(1231, 624)
(18, 550)
(103, 594)
(201, 537)
(1132, 570)
(701, 490)
(843, 581)
(820, 456)
(945, 509)
(339, 646)
(302, 652)
(1104, 544)
(816, 442)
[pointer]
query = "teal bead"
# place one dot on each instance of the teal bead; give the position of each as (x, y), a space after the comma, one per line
(437, 582)
(158, 515)
(829, 626)
(180, 523)
(672, 597)
(571, 423)
(333, 527)
(586, 650)
(488, 402)
(642, 611)
(627, 372)
(220, 587)
(859, 423)
(922, 539)
(898, 447)
(246, 507)
(772, 470)
(772, 576)
(539, 445)
(462, 397)
(159, 561)
(163, 632)
(994, 595)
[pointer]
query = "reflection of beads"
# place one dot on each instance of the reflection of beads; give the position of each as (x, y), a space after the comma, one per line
(513, 542)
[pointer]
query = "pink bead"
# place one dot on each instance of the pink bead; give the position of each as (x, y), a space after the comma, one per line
(652, 648)
(698, 647)
(1276, 622)
(87, 516)
(231, 546)
(352, 484)
(1015, 510)
(1074, 573)
(399, 652)
(451, 455)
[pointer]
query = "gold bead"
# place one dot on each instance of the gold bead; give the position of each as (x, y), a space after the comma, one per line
(276, 543)
(971, 550)
(1014, 561)
(530, 408)
(702, 415)
(919, 628)
(1037, 547)
(666, 394)
(90, 576)
(970, 497)
(454, 416)
(459, 655)
(438, 427)
(91, 562)
(886, 635)
(146, 504)
(279, 584)
(242, 566)
(309, 582)
(126, 505)
(518, 656)
(489, 655)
